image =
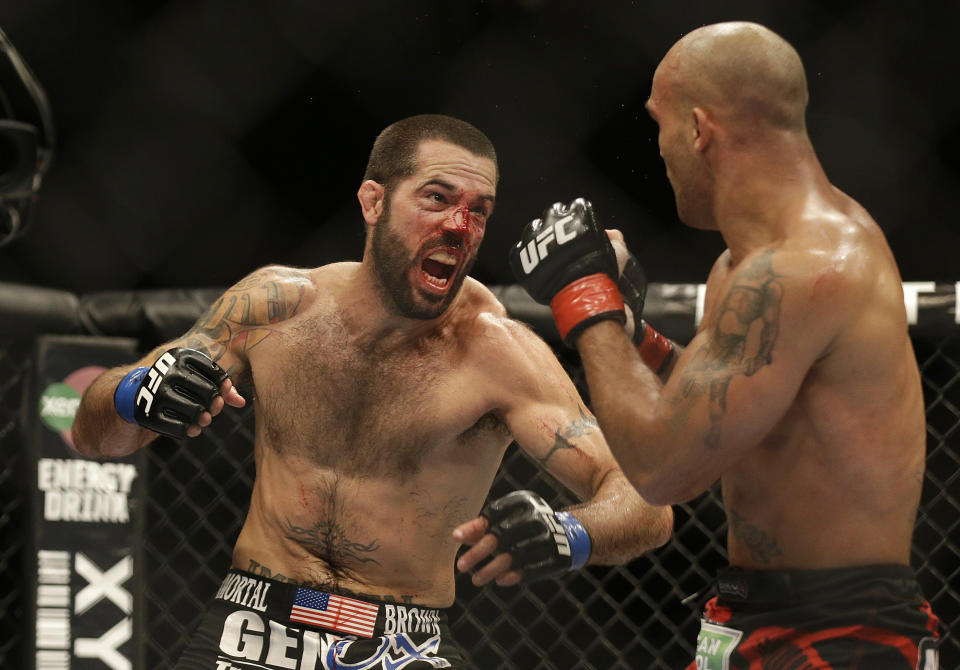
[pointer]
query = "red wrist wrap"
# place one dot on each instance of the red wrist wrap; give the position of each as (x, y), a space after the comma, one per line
(655, 349)
(590, 296)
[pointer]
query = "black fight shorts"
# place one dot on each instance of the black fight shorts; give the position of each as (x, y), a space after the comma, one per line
(261, 624)
(871, 618)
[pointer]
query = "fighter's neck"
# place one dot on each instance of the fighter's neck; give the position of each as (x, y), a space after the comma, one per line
(759, 202)
(373, 314)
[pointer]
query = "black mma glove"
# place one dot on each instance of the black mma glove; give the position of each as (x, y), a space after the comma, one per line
(655, 349)
(170, 395)
(633, 288)
(565, 259)
(541, 542)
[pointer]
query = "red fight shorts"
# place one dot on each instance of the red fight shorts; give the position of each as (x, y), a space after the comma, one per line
(869, 618)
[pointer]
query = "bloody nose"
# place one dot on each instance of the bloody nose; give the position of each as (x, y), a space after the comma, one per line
(460, 220)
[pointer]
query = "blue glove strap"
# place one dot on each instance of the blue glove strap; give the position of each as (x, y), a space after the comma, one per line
(580, 546)
(125, 397)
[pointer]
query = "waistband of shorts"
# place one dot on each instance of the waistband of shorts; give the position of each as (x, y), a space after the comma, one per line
(360, 616)
(789, 586)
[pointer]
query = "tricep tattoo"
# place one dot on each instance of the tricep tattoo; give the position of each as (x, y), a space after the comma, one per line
(743, 333)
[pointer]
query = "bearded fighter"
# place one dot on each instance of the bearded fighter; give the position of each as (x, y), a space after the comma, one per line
(386, 393)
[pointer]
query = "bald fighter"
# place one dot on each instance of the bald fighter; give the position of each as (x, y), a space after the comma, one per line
(386, 393)
(800, 390)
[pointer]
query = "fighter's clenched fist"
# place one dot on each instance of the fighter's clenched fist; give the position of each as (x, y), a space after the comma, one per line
(525, 538)
(565, 259)
(171, 395)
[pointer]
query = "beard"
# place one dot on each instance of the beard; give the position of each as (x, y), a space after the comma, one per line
(392, 266)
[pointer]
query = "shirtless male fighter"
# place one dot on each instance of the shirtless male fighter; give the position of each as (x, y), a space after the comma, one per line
(386, 393)
(800, 390)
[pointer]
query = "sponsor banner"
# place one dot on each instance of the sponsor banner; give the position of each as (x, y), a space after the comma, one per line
(86, 609)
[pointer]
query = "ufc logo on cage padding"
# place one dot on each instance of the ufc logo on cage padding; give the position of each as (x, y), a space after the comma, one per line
(537, 249)
(154, 377)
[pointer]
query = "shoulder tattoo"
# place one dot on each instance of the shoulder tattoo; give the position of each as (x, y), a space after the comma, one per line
(248, 312)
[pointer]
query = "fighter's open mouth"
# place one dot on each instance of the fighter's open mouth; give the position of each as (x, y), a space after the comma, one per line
(439, 266)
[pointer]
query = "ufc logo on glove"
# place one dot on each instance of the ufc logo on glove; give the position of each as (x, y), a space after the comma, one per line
(172, 393)
(536, 250)
(556, 528)
(154, 377)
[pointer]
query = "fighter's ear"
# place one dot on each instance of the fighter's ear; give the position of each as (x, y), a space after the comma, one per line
(370, 196)
(703, 129)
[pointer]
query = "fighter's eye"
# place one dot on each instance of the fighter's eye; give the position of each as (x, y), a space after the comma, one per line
(437, 197)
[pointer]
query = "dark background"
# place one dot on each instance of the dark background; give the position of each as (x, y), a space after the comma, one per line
(199, 139)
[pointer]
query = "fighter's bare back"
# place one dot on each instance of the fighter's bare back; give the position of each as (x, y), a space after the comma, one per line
(837, 479)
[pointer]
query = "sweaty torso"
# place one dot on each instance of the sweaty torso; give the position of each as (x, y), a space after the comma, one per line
(370, 448)
(837, 481)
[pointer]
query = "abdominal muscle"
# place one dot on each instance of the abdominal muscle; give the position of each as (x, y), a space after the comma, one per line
(377, 536)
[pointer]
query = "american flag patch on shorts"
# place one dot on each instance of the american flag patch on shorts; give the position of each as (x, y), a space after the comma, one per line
(346, 615)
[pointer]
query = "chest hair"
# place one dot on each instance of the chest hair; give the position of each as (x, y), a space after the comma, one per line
(364, 406)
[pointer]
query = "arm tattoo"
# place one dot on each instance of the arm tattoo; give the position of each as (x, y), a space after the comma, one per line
(763, 546)
(579, 428)
(246, 314)
(743, 334)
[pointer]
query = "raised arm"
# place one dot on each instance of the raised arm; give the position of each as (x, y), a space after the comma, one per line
(767, 321)
(764, 327)
(242, 318)
(549, 421)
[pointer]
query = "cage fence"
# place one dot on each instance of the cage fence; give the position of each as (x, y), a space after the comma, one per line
(641, 615)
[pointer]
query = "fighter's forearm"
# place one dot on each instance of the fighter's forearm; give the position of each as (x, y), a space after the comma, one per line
(624, 392)
(626, 397)
(660, 434)
(98, 431)
(620, 523)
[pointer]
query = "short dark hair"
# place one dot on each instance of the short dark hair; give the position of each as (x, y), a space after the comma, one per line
(395, 150)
